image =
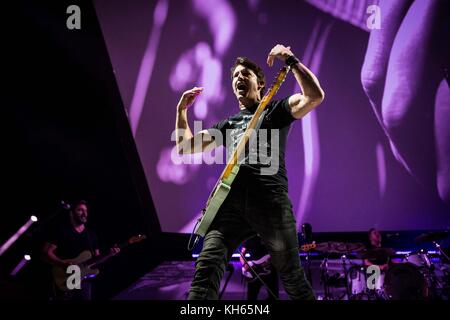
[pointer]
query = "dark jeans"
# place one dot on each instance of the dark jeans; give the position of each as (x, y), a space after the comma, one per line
(250, 210)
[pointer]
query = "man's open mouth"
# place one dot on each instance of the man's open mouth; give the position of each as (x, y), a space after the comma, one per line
(241, 86)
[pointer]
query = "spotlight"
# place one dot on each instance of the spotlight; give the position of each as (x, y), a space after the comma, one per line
(17, 235)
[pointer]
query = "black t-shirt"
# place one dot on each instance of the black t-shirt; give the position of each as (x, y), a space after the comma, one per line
(263, 164)
(71, 243)
(382, 255)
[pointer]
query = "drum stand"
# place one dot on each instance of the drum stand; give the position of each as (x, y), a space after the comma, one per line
(441, 252)
(308, 268)
(435, 285)
(324, 279)
(347, 285)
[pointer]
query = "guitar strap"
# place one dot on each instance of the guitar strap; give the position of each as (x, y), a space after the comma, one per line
(223, 186)
(89, 238)
(193, 240)
(259, 123)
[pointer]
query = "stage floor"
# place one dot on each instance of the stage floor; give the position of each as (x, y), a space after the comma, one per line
(171, 281)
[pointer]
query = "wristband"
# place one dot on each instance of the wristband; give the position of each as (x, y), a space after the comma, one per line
(291, 60)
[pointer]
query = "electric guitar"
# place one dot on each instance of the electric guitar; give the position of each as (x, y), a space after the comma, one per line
(308, 247)
(88, 264)
(223, 185)
(262, 266)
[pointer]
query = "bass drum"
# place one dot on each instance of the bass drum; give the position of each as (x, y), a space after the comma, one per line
(405, 281)
(362, 286)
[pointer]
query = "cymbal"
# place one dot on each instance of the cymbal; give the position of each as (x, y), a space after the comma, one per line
(378, 254)
(432, 236)
(346, 247)
(326, 246)
(339, 247)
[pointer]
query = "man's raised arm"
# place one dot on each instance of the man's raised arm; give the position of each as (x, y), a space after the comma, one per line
(312, 94)
(186, 142)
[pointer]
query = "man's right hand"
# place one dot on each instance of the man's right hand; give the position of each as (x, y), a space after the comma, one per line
(188, 97)
(66, 263)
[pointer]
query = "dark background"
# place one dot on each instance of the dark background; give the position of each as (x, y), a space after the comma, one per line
(68, 138)
(353, 153)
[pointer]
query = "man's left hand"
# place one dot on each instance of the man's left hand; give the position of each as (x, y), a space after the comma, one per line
(115, 250)
(279, 51)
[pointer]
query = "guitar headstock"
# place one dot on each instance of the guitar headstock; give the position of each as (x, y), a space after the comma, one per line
(279, 79)
(136, 239)
(308, 247)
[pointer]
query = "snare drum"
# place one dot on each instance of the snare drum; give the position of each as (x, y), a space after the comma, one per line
(418, 258)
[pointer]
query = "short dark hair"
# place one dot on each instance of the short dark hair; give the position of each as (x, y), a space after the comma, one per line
(367, 240)
(246, 62)
(77, 203)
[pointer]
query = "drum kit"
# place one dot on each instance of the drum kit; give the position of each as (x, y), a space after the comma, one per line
(381, 274)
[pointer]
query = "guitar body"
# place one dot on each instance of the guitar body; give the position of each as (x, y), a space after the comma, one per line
(261, 267)
(88, 264)
(217, 197)
(60, 274)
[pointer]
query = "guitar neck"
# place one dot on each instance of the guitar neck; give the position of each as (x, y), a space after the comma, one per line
(96, 261)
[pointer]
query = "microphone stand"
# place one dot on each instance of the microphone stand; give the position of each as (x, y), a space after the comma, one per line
(229, 268)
